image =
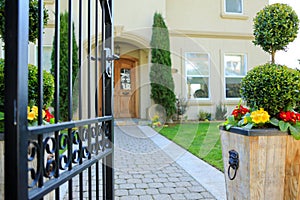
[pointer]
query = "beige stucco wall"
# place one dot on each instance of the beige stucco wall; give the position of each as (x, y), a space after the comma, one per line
(216, 48)
(137, 14)
(208, 16)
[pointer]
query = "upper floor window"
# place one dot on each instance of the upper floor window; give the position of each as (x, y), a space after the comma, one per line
(235, 66)
(234, 6)
(197, 74)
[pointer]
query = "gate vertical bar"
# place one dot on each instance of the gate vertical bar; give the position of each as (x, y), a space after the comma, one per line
(16, 85)
(80, 91)
(56, 85)
(40, 87)
(70, 86)
(89, 90)
(96, 101)
(107, 43)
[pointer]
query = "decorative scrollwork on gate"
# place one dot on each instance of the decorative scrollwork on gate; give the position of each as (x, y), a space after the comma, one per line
(49, 145)
(85, 142)
(33, 171)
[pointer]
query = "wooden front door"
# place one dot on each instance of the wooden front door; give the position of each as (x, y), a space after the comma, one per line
(125, 94)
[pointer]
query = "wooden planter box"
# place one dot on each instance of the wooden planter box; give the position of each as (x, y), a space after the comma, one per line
(269, 164)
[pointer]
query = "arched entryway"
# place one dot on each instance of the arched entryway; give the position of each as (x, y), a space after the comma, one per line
(126, 97)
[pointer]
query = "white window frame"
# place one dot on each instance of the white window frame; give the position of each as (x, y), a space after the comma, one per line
(245, 61)
(234, 13)
(189, 94)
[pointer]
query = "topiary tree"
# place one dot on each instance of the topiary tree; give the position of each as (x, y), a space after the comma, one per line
(64, 72)
(33, 19)
(161, 80)
(275, 27)
(48, 86)
(272, 87)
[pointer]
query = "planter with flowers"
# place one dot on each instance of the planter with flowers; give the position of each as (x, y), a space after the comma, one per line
(260, 141)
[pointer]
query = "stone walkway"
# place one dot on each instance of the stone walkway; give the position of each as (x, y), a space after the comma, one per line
(145, 171)
(150, 167)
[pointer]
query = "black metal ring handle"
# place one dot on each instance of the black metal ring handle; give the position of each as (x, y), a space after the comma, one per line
(229, 172)
(233, 163)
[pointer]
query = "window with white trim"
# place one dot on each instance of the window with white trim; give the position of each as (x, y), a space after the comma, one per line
(235, 66)
(233, 6)
(197, 67)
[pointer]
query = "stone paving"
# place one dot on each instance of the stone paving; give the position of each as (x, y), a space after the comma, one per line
(143, 171)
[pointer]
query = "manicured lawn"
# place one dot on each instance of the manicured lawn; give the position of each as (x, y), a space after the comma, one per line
(201, 139)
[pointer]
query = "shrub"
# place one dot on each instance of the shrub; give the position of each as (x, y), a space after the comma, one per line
(33, 19)
(181, 105)
(64, 68)
(272, 87)
(221, 111)
(275, 27)
(204, 116)
(162, 83)
(48, 83)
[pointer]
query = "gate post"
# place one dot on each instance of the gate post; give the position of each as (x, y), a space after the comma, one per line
(16, 85)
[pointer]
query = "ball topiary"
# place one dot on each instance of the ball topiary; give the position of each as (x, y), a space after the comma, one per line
(272, 87)
(48, 82)
(275, 27)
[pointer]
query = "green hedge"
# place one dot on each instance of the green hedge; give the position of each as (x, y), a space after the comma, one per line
(48, 82)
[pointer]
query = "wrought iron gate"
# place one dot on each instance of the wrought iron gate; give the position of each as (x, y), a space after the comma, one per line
(39, 159)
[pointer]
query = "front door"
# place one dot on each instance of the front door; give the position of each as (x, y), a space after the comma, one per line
(125, 94)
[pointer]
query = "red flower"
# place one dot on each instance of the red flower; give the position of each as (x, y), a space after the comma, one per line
(298, 116)
(48, 115)
(239, 112)
(289, 116)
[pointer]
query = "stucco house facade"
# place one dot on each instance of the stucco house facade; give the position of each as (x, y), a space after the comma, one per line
(210, 43)
(211, 48)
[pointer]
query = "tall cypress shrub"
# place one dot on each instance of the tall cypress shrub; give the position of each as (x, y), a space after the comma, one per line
(64, 72)
(161, 80)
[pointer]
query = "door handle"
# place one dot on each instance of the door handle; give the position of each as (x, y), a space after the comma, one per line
(125, 93)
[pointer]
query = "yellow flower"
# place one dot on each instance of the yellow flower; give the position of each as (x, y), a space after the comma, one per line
(155, 118)
(32, 113)
(31, 116)
(260, 116)
(35, 110)
(43, 114)
(245, 120)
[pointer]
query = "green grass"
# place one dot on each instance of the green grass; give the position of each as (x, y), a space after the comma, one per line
(201, 139)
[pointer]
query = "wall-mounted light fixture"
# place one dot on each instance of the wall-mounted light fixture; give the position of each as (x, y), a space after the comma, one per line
(117, 50)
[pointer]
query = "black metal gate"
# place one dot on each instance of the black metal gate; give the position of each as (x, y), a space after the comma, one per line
(39, 159)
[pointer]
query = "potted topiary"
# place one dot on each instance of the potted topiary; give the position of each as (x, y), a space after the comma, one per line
(263, 160)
